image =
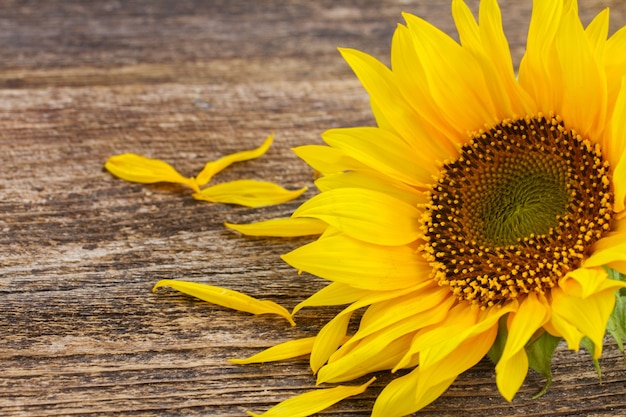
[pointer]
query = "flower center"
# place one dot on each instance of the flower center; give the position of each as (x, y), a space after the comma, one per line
(517, 210)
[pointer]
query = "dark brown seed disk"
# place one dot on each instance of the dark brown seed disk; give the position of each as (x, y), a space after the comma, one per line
(519, 207)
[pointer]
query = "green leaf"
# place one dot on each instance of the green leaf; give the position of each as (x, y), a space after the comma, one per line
(540, 353)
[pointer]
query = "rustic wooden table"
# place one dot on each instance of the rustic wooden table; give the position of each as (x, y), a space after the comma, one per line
(189, 81)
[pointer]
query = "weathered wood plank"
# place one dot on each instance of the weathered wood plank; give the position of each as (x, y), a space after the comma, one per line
(187, 81)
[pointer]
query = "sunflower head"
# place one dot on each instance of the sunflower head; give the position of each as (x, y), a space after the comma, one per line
(485, 211)
(520, 207)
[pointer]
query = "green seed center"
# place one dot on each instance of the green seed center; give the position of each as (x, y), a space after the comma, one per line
(525, 195)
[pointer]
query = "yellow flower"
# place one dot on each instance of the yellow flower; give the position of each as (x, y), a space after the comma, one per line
(250, 193)
(480, 215)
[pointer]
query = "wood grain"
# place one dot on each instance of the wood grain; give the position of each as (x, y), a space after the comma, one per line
(189, 81)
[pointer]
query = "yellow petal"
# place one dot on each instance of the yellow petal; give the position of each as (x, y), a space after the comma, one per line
(328, 340)
(429, 307)
(466, 355)
(327, 160)
(137, 168)
(366, 215)
(213, 167)
(488, 44)
(610, 251)
(286, 227)
(359, 264)
(587, 282)
(615, 63)
(398, 398)
(282, 351)
(614, 148)
(372, 181)
(226, 298)
(336, 293)
(512, 367)
(443, 59)
(460, 323)
(312, 402)
(383, 151)
(583, 108)
(389, 100)
(584, 301)
(539, 68)
(374, 354)
(408, 73)
(249, 193)
(619, 180)
(597, 33)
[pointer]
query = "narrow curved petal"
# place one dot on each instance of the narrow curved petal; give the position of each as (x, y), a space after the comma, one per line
(390, 102)
(615, 63)
(582, 108)
(328, 340)
(482, 322)
(282, 351)
(428, 307)
(286, 227)
(488, 44)
(226, 298)
(350, 211)
(334, 294)
(463, 357)
(443, 60)
(327, 160)
(539, 71)
(597, 32)
(312, 402)
(408, 72)
(619, 181)
(213, 167)
(249, 193)
(614, 148)
(379, 353)
(398, 399)
(512, 368)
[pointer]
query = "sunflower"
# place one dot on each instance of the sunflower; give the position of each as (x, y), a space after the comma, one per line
(484, 214)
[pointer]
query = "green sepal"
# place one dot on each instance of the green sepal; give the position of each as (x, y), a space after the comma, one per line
(616, 326)
(495, 352)
(540, 352)
(591, 348)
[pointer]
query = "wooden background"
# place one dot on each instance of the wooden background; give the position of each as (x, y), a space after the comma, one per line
(189, 81)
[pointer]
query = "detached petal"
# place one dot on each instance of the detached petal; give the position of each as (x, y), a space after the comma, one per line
(312, 402)
(249, 193)
(213, 167)
(136, 168)
(226, 298)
